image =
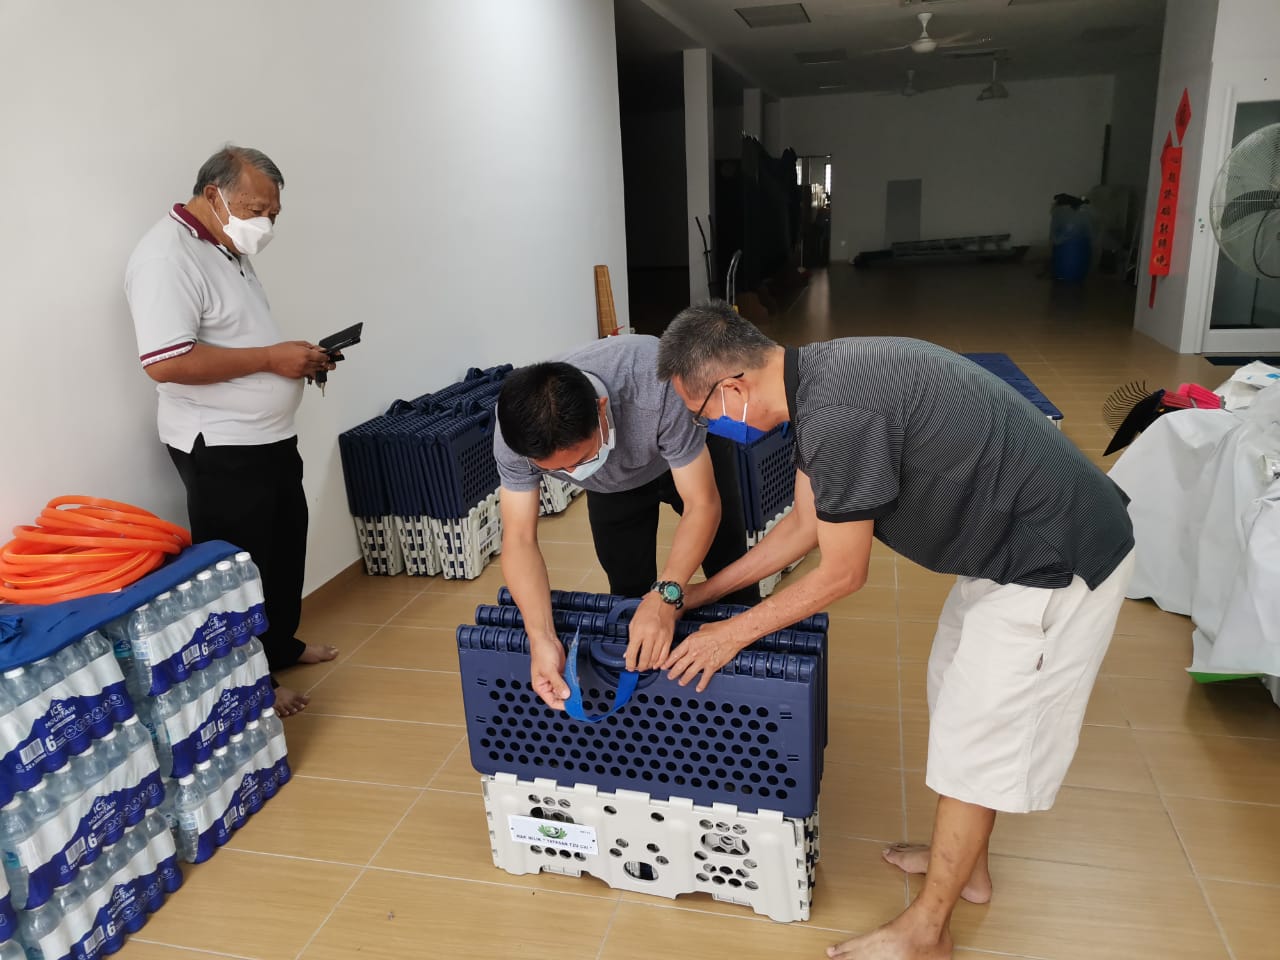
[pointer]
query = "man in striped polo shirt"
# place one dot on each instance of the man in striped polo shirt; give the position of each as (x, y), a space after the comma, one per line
(943, 462)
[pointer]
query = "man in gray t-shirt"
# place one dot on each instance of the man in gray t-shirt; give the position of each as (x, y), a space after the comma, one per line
(908, 443)
(600, 418)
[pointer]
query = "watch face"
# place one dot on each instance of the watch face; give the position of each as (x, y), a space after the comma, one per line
(670, 591)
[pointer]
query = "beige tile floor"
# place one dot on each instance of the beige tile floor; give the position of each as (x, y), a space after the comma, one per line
(1165, 842)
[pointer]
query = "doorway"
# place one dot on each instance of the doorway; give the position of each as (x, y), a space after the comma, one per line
(813, 175)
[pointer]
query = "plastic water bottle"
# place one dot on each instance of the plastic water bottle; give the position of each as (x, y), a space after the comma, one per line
(114, 751)
(222, 763)
(187, 802)
(71, 658)
(35, 925)
(20, 685)
(145, 628)
(7, 703)
(41, 804)
(16, 826)
(68, 898)
(187, 602)
(274, 730)
(165, 710)
(90, 767)
(12, 950)
(46, 673)
(135, 735)
(155, 826)
(226, 580)
(260, 763)
(95, 645)
(207, 778)
(165, 605)
(65, 785)
(251, 592)
(206, 589)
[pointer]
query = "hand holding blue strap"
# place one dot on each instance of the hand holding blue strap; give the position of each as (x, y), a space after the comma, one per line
(627, 679)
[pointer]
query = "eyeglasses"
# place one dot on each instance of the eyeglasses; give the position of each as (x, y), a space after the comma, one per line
(698, 419)
(580, 463)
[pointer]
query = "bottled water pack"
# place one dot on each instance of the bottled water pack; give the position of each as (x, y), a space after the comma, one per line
(92, 915)
(206, 806)
(191, 719)
(51, 710)
(180, 632)
(64, 823)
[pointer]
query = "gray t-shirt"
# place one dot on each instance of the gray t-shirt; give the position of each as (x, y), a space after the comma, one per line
(959, 472)
(653, 431)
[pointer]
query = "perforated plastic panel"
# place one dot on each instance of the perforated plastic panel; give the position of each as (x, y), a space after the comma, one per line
(767, 476)
(754, 737)
(465, 546)
(380, 546)
(555, 495)
(660, 847)
(604, 602)
(418, 544)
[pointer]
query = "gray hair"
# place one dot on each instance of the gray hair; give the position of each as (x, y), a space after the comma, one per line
(223, 169)
(707, 342)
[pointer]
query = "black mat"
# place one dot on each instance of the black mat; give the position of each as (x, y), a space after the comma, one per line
(1241, 361)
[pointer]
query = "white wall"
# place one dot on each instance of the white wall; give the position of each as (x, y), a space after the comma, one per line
(453, 172)
(1132, 122)
(1185, 62)
(989, 167)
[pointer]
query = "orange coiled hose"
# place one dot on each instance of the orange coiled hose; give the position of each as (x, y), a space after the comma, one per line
(81, 546)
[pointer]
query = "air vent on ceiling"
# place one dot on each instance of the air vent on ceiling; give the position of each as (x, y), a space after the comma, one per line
(811, 57)
(773, 15)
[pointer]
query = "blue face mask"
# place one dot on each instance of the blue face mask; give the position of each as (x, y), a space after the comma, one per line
(739, 431)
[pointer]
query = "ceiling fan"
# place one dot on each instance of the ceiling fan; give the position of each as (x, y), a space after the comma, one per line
(925, 43)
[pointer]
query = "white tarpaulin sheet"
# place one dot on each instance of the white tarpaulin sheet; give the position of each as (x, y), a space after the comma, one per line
(1206, 516)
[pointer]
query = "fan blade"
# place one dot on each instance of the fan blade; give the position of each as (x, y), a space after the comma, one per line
(902, 46)
(954, 38)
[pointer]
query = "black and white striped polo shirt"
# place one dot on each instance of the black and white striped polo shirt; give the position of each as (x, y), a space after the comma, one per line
(960, 473)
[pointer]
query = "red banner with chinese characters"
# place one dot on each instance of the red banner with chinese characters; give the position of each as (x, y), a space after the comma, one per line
(1166, 211)
(1167, 198)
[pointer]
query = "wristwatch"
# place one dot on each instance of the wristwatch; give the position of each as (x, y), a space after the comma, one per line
(670, 592)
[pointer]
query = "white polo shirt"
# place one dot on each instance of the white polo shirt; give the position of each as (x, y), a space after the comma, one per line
(183, 287)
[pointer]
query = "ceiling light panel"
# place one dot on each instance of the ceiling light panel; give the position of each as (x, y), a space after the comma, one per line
(773, 15)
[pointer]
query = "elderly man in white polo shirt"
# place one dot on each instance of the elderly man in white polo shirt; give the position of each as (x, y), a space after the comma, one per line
(229, 385)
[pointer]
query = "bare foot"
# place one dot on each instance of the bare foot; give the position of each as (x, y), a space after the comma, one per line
(914, 858)
(289, 702)
(316, 653)
(893, 941)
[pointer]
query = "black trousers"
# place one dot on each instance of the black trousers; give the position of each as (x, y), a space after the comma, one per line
(252, 497)
(624, 527)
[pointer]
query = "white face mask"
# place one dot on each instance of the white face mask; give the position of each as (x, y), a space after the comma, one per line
(584, 470)
(250, 236)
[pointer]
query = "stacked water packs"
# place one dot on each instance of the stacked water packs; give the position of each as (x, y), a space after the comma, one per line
(86, 856)
(645, 784)
(193, 663)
